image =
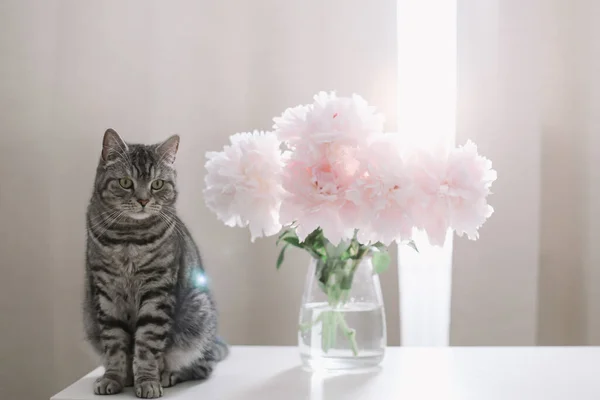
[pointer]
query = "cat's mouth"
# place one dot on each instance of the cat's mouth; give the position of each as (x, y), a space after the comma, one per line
(141, 214)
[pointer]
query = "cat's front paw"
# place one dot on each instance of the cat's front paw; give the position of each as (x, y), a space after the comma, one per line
(148, 389)
(107, 385)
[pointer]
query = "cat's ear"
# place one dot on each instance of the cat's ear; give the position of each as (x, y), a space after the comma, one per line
(112, 146)
(167, 150)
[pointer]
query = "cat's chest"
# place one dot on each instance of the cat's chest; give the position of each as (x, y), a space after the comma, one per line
(126, 283)
(126, 258)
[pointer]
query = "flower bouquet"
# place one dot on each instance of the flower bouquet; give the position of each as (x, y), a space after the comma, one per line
(329, 181)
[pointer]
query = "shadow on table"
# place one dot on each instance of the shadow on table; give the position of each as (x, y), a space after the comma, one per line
(298, 384)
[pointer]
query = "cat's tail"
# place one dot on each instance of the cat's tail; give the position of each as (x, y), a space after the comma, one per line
(220, 349)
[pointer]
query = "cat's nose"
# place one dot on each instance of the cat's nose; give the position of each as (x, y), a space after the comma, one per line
(143, 202)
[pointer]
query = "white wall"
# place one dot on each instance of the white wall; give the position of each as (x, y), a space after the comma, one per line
(205, 70)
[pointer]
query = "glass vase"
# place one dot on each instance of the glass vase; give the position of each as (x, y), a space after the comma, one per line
(342, 326)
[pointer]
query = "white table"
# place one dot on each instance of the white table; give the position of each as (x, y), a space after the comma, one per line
(468, 373)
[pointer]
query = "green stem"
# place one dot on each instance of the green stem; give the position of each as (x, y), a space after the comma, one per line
(325, 332)
(308, 325)
(332, 329)
(335, 271)
(330, 322)
(328, 330)
(348, 332)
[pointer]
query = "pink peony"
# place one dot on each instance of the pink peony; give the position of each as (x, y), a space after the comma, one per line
(291, 125)
(452, 191)
(324, 138)
(347, 120)
(384, 193)
(316, 182)
(340, 173)
(243, 183)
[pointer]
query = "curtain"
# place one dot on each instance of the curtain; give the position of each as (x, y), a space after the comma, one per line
(527, 94)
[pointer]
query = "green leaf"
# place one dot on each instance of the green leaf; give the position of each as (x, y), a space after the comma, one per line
(345, 255)
(352, 252)
(380, 246)
(322, 287)
(317, 256)
(293, 241)
(315, 243)
(346, 283)
(381, 261)
(411, 243)
(319, 269)
(281, 256)
(286, 233)
(360, 253)
(313, 237)
(319, 250)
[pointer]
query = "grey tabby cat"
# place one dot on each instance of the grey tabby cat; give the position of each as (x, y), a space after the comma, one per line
(147, 310)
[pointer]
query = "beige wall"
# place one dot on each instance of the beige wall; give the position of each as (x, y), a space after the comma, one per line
(588, 123)
(27, 268)
(562, 295)
(495, 279)
(205, 70)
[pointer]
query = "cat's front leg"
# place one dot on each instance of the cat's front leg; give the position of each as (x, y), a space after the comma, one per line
(152, 328)
(115, 341)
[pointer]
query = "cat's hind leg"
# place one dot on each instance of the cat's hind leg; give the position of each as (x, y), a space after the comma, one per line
(199, 370)
(198, 364)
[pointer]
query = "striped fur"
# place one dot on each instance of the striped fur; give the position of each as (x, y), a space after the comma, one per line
(148, 310)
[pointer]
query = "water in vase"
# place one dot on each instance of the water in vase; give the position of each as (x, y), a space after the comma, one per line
(324, 341)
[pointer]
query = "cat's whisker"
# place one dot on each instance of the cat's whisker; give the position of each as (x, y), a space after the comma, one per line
(111, 223)
(97, 218)
(175, 223)
(169, 225)
(104, 220)
(172, 223)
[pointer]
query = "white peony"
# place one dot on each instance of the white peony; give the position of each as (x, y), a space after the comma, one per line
(243, 183)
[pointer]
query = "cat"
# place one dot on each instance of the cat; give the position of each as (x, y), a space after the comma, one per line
(148, 310)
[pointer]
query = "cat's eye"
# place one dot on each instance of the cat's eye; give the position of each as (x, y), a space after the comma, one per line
(157, 184)
(126, 183)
